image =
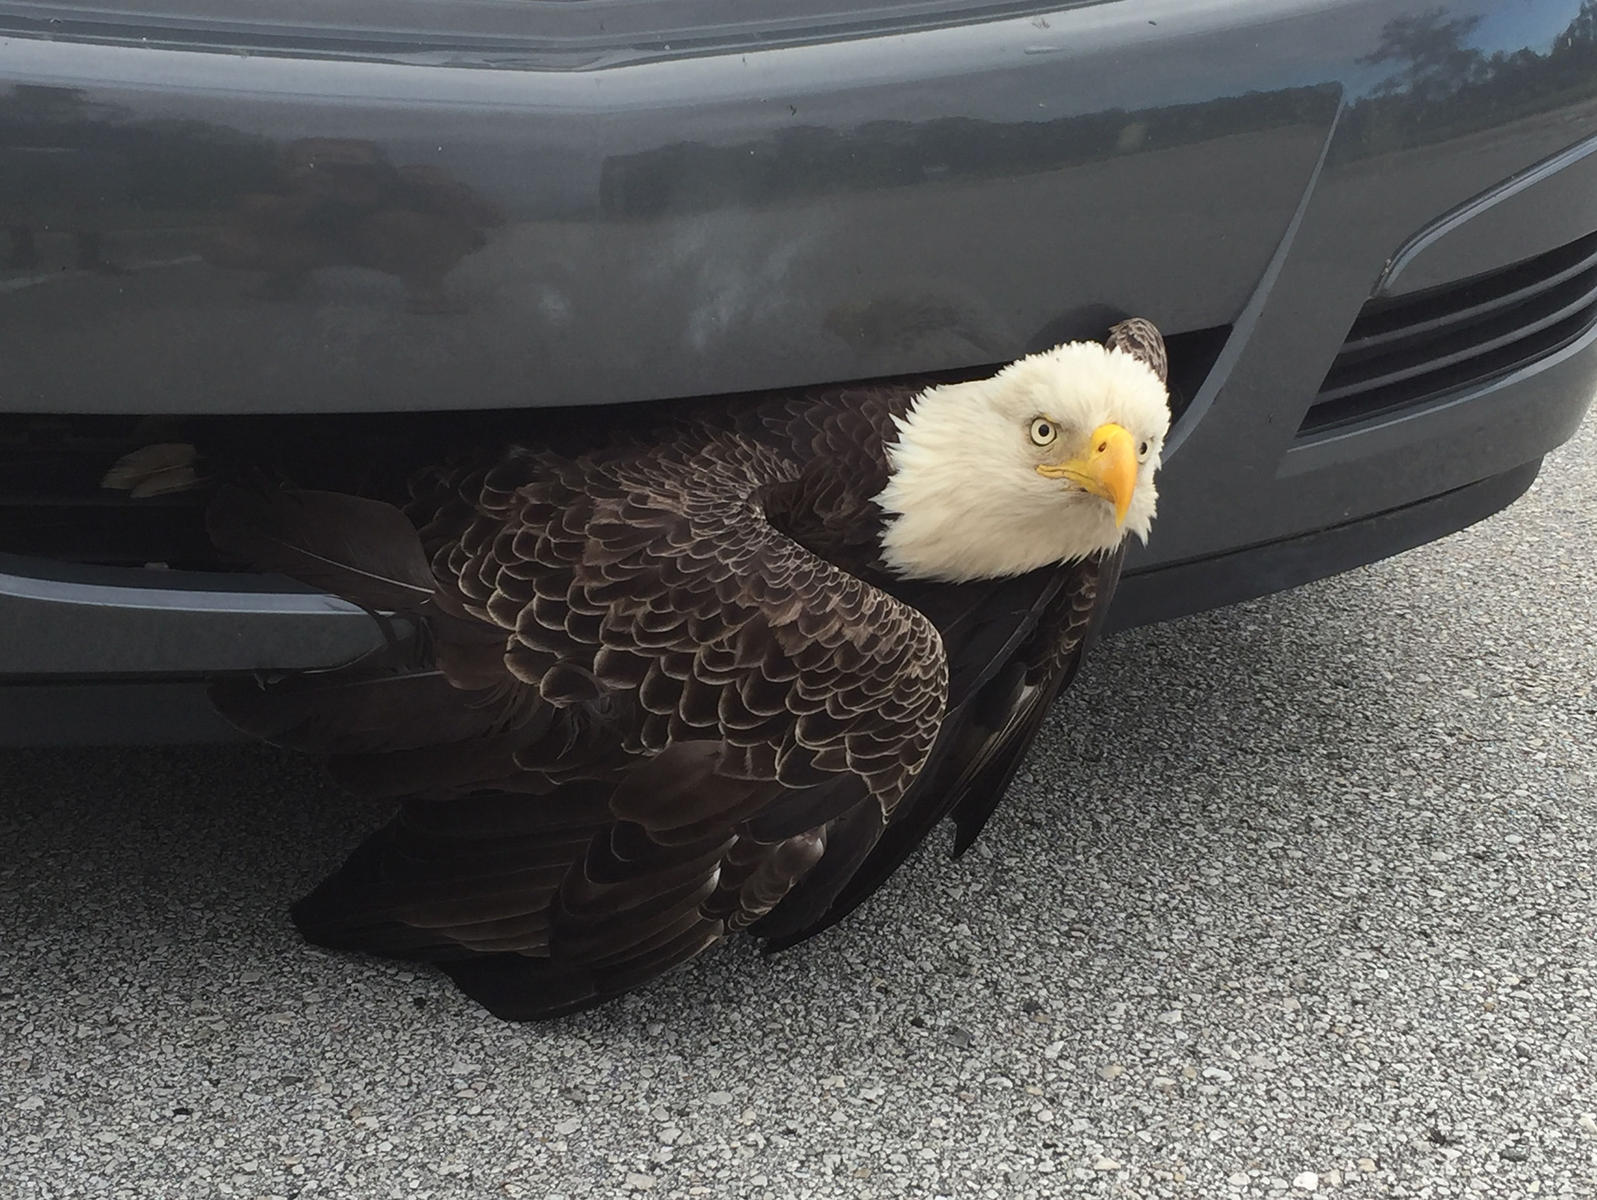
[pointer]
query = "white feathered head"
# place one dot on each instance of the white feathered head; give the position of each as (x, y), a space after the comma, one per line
(1050, 460)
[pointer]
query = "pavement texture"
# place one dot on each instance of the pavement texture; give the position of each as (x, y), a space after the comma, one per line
(1293, 898)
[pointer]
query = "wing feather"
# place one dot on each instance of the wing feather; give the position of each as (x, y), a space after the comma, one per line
(363, 550)
(1013, 647)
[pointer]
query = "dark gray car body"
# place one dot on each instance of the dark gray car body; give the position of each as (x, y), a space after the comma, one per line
(1370, 229)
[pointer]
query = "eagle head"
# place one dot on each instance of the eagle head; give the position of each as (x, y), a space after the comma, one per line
(1050, 460)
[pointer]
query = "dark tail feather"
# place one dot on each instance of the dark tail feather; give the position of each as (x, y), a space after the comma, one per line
(362, 709)
(978, 796)
(516, 988)
(372, 902)
(352, 908)
(806, 910)
(434, 768)
(364, 551)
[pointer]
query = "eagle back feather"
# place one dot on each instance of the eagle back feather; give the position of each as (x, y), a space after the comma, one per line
(653, 574)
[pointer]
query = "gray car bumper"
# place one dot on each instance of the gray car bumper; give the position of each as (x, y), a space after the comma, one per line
(1390, 264)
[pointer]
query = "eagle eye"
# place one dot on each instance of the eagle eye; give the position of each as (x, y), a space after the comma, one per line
(1043, 431)
(1142, 451)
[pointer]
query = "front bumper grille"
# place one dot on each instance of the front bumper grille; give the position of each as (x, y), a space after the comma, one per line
(53, 507)
(1414, 349)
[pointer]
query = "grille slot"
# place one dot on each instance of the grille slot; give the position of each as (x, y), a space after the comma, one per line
(53, 507)
(1406, 351)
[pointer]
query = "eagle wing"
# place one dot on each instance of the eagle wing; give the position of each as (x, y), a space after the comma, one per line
(1013, 647)
(655, 714)
(1001, 721)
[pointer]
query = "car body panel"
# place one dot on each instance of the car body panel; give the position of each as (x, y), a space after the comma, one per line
(665, 229)
(477, 209)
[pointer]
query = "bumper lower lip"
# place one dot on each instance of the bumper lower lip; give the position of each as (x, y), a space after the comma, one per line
(1164, 593)
(74, 698)
(59, 621)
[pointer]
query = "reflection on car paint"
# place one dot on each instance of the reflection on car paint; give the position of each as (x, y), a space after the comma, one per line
(340, 202)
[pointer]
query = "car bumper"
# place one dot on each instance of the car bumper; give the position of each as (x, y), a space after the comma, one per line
(1265, 183)
(114, 664)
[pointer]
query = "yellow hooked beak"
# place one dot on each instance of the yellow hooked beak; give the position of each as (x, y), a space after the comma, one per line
(1107, 467)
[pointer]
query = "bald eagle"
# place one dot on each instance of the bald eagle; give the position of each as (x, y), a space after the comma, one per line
(716, 671)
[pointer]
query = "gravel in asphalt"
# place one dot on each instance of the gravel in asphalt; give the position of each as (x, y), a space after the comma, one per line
(1292, 898)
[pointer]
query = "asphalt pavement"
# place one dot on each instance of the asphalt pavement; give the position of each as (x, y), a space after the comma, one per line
(1292, 898)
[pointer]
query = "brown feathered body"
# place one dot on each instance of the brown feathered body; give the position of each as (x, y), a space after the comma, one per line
(664, 690)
